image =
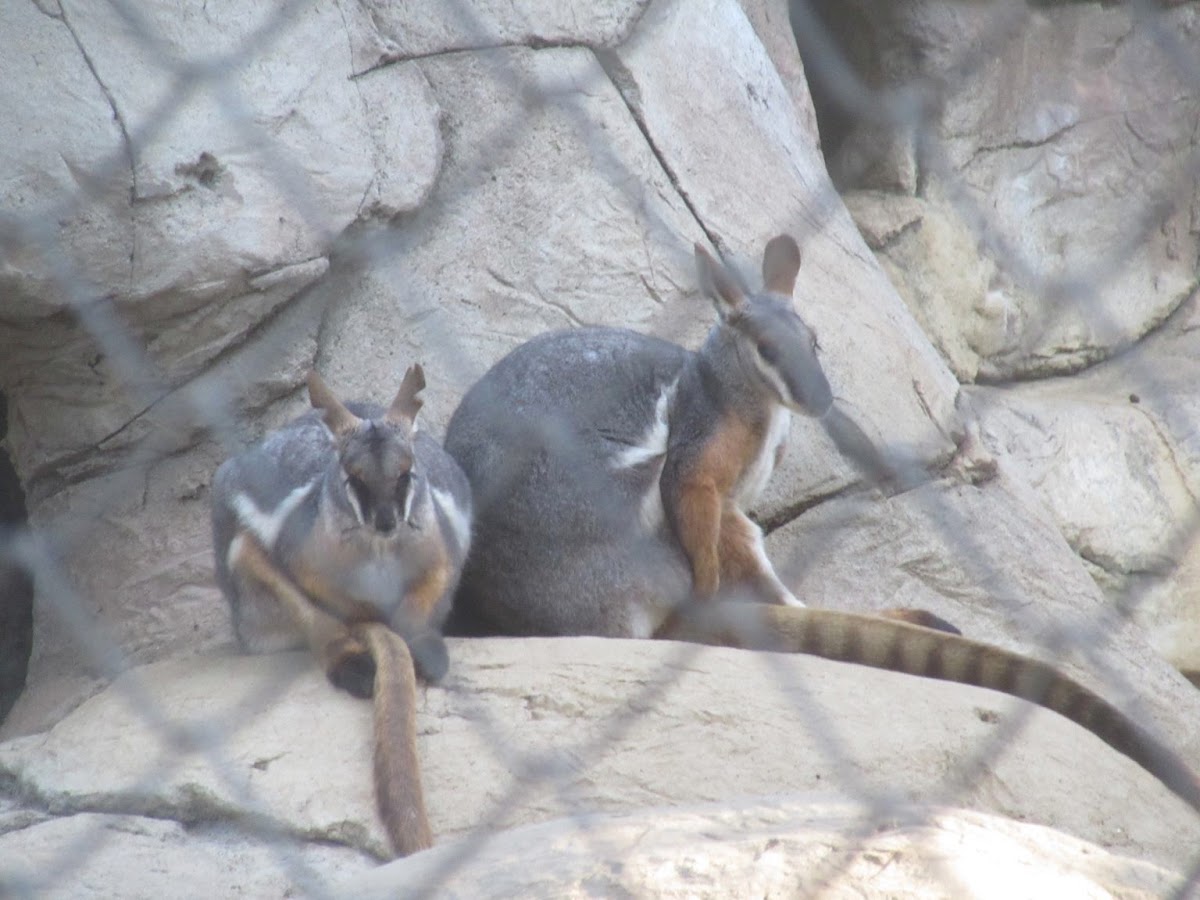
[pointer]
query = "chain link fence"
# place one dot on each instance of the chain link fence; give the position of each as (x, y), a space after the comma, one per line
(850, 92)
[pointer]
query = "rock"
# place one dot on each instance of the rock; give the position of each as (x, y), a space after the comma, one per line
(532, 730)
(990, 560)
(1057, 145)
(404, 30)
(1112, 455)
(208, 207)
(98, 855)
(795, 846)
(407, 184)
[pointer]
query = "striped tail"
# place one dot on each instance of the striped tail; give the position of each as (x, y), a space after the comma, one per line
(901, 647)
(398, 791)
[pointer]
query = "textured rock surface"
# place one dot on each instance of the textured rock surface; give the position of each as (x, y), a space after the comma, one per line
(100, 855)
(529, 731)
(558, 175)
(224, 199)
(1112, 455)
(1067, 134)
(986, 558)
(800, 846)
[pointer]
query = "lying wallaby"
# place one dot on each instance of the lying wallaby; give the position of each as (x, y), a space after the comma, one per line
(610, 471)
(346, 530)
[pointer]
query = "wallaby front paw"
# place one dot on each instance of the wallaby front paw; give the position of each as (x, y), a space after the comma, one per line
(349, 666)
(430, 657)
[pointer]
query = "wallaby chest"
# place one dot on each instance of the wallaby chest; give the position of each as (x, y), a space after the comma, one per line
(368, 572)
(734, 452)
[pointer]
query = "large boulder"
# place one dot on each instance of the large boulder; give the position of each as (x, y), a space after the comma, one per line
(527, 731)
(213, 201)
(791, 847)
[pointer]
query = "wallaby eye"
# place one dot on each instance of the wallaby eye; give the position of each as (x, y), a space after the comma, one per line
(402, 484)
(767, 352)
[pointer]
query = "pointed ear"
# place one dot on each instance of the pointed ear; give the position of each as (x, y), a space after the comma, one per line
(407, 404)
(781, 264)
(719, 284)
(338, 419)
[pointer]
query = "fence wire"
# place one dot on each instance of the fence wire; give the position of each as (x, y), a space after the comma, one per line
(209, 408)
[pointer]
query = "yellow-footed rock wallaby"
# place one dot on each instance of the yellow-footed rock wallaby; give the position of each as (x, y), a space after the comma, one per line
(346, 531)
(611, 472)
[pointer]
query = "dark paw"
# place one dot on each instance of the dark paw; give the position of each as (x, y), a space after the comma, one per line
(355, 674)
(922, 617)
(431, 659)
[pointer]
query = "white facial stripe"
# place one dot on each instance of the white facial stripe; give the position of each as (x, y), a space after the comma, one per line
(654, 441)
(352, 499)
(409, 496)
(266, 526)
(458, 518)
(772, 375)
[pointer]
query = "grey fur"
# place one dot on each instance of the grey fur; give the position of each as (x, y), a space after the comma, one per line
(392, 551)
(563, 544)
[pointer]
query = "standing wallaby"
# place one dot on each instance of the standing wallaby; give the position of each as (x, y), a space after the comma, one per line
(346, 531)
(611, 470)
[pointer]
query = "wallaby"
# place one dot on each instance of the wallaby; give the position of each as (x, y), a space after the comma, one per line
(610, 472)
(346, 530)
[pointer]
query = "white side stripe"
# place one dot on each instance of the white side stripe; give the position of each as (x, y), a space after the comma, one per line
(654, 441)
(263, 525)
(458, 518)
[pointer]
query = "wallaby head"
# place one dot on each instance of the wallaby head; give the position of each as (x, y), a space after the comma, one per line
(375, 456)
(761, 335)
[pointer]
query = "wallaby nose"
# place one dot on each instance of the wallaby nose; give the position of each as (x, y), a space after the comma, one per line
(385, 521)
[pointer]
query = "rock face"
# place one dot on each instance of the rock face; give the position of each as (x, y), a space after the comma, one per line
(262, 750)
(204, 200)
(1043, 223)
(558, 182)
(792, 847)
(1058, 148)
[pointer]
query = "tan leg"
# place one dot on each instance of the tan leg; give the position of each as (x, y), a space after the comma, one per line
(339, 653)
(744, 560)
(696, 517)
(424, 596)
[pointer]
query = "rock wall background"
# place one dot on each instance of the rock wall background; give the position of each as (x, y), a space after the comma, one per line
(200, 201)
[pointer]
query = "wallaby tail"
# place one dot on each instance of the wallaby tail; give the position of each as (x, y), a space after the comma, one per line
(398, 791)
(914, 650)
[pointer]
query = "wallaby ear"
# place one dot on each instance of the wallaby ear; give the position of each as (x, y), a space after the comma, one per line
(337, 418)
(407, 404)
(781, 264)
(719, 284)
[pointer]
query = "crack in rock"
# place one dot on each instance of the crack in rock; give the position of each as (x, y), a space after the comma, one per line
(626, 85)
